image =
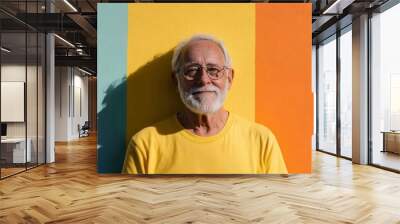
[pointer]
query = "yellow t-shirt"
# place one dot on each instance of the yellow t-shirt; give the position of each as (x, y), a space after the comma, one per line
(241, 147)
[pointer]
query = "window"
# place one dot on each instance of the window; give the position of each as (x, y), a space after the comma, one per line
(346, 93)
(385, 88)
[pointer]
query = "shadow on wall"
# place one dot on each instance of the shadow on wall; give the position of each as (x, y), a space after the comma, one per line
(146, 96)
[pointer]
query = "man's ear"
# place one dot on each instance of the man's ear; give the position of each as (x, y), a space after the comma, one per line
(230, 77)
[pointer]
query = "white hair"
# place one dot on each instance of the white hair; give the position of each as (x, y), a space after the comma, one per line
(176, 62)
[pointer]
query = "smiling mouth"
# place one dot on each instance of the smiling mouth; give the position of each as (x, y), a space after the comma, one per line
(199, 92)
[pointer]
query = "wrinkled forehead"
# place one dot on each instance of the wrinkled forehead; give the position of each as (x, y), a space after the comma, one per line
(203, 52)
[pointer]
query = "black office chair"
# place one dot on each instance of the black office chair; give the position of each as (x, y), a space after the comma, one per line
(84, 130)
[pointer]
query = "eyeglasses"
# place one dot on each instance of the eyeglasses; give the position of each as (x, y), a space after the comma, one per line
(214, 72)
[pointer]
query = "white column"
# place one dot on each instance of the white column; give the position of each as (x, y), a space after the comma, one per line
(360, 90)
(50, 100)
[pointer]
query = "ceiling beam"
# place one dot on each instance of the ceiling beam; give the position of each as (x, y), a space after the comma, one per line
(84, 24)
(85, 61)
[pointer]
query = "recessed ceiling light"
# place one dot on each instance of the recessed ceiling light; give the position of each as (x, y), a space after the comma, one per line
(64, 40)
(337, 7)
(5, 50)
(70, 5)
(84, 71)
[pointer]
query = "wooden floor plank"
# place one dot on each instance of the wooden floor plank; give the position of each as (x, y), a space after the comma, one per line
(70, 191)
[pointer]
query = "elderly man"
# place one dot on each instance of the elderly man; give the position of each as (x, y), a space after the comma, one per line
(204, 138)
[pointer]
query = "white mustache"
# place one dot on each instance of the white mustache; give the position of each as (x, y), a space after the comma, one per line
(197, 104)
(203, 88)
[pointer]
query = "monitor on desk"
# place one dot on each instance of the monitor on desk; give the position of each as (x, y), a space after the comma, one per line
(3, 130)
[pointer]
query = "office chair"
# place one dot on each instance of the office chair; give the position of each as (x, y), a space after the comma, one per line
(84, 130)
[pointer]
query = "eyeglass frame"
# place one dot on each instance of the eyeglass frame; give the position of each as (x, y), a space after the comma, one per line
(181, 71)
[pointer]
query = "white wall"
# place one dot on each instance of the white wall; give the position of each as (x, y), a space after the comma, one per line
(16, 72)
(71, 94)
(62, 81)
(79, 110)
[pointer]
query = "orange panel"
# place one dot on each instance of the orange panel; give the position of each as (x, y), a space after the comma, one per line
(284, 100)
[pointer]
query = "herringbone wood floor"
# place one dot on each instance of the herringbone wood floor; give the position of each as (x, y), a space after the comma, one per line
(70, 191)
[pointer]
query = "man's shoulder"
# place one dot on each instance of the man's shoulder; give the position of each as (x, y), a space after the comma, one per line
(247, 125)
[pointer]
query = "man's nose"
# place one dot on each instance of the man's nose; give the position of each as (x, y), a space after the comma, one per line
(203, 77)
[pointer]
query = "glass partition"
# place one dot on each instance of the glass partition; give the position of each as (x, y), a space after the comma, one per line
(31, 99)
(13, 104)
(327, 95)
(22, 77)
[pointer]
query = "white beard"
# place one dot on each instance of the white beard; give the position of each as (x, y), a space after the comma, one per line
(201, 104)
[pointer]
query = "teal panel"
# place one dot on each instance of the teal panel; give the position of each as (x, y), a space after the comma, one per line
(112, 30)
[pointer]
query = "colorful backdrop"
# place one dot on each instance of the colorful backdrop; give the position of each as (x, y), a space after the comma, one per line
(270, 46)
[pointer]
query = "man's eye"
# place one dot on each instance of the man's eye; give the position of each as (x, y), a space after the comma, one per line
(213, 71)
(192, 70)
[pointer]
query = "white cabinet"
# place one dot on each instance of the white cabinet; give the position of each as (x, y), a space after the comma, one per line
(17, 146)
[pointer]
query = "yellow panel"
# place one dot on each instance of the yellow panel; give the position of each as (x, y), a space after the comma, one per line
(153, 32)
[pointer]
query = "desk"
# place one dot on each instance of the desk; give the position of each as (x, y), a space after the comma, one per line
(391, 141)
(13, 150)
